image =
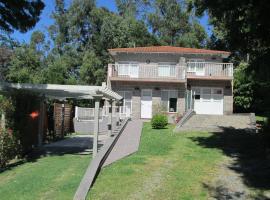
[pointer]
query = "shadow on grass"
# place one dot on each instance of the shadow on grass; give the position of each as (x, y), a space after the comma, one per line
(74, 146)
(248, 152)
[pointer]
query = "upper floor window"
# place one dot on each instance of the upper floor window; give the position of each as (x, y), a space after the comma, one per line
(166, 69)
(128, 69)
(196, 66)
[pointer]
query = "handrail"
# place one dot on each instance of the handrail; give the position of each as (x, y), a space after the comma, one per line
(95, 165)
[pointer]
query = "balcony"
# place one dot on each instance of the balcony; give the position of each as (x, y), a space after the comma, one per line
(209, 70)
(147, 72)
(170, 72)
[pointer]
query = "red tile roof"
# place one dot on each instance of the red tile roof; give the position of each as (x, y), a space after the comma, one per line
(167, 49)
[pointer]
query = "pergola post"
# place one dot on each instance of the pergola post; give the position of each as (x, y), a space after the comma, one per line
(110, 117)
(41, 121)
(96, 125)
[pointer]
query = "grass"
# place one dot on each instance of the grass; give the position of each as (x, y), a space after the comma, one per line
(261, 119)
(51, 177)
(167, 166)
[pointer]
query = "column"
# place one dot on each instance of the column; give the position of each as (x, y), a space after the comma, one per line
(41, 121)
(110, 117)
(96, 126)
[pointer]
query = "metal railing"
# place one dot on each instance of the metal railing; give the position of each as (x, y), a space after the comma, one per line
(210, 69)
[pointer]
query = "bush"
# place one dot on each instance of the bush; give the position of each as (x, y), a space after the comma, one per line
(8, 146)
(159, 121)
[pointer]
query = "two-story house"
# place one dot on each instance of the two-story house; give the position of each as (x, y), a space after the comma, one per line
(172, 78)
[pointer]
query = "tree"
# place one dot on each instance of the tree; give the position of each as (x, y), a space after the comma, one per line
(174, 24)
(27, 61)
(243, 27)
(244, 86)
(59, 30)
(19, 15)
(92, 71)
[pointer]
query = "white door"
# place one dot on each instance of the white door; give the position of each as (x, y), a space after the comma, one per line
(146, 104)
(208, 100)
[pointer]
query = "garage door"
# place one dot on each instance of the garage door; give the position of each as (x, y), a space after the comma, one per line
(208, 100)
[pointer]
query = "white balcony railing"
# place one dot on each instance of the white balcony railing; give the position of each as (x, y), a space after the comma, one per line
(147, 71)
(210, 69)
(169, 71)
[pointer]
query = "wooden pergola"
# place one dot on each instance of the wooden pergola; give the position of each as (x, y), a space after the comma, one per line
(63, 92)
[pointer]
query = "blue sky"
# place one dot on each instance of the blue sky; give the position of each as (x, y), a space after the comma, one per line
(46, 21)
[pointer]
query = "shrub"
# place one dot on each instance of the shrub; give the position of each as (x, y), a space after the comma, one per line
(8, 146)
(266, 132)
(159, 121)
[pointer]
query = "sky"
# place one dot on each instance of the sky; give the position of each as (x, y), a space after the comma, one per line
(45, 20)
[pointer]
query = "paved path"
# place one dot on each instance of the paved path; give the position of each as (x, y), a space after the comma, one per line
(75, 144)
(217, 123)
(127, 143)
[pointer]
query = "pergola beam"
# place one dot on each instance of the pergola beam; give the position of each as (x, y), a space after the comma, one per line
(63, 92)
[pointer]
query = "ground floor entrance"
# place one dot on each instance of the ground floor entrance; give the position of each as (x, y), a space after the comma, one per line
(146, 104)
(208, 100)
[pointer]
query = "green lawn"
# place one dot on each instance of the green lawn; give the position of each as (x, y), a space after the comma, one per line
(261, 119)
(167, 166)
(51, 177)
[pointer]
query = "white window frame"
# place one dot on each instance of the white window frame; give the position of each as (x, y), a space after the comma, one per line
(168, 101)
(212, 88)
(128, 65)
(194, 68)
(170, 66)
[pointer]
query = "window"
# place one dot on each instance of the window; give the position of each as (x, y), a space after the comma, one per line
(196, 66)
(128, 69)
(217, 95)
(206, 94)
(167, 70)
(169, 100)
(197, 94)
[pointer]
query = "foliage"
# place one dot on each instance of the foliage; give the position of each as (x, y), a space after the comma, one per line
(5, 104)
(8, 146)
(159, 121)
(7, 107)
(242, 27)
(243, 88)
(19, 15)
(25, 66)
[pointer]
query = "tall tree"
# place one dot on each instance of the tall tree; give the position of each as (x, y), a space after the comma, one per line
(26, 63)
(19, 15)
(59, 30)
(243, 27)
(170, 21)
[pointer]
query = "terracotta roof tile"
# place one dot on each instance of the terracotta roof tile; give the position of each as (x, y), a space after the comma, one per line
(167, 49)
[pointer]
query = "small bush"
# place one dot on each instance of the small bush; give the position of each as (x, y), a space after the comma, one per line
(266, 132)
(8, 146)
(159, 121)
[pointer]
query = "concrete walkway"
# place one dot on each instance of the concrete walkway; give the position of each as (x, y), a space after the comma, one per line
(127, 143)
(82, 144)
(217, 123)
